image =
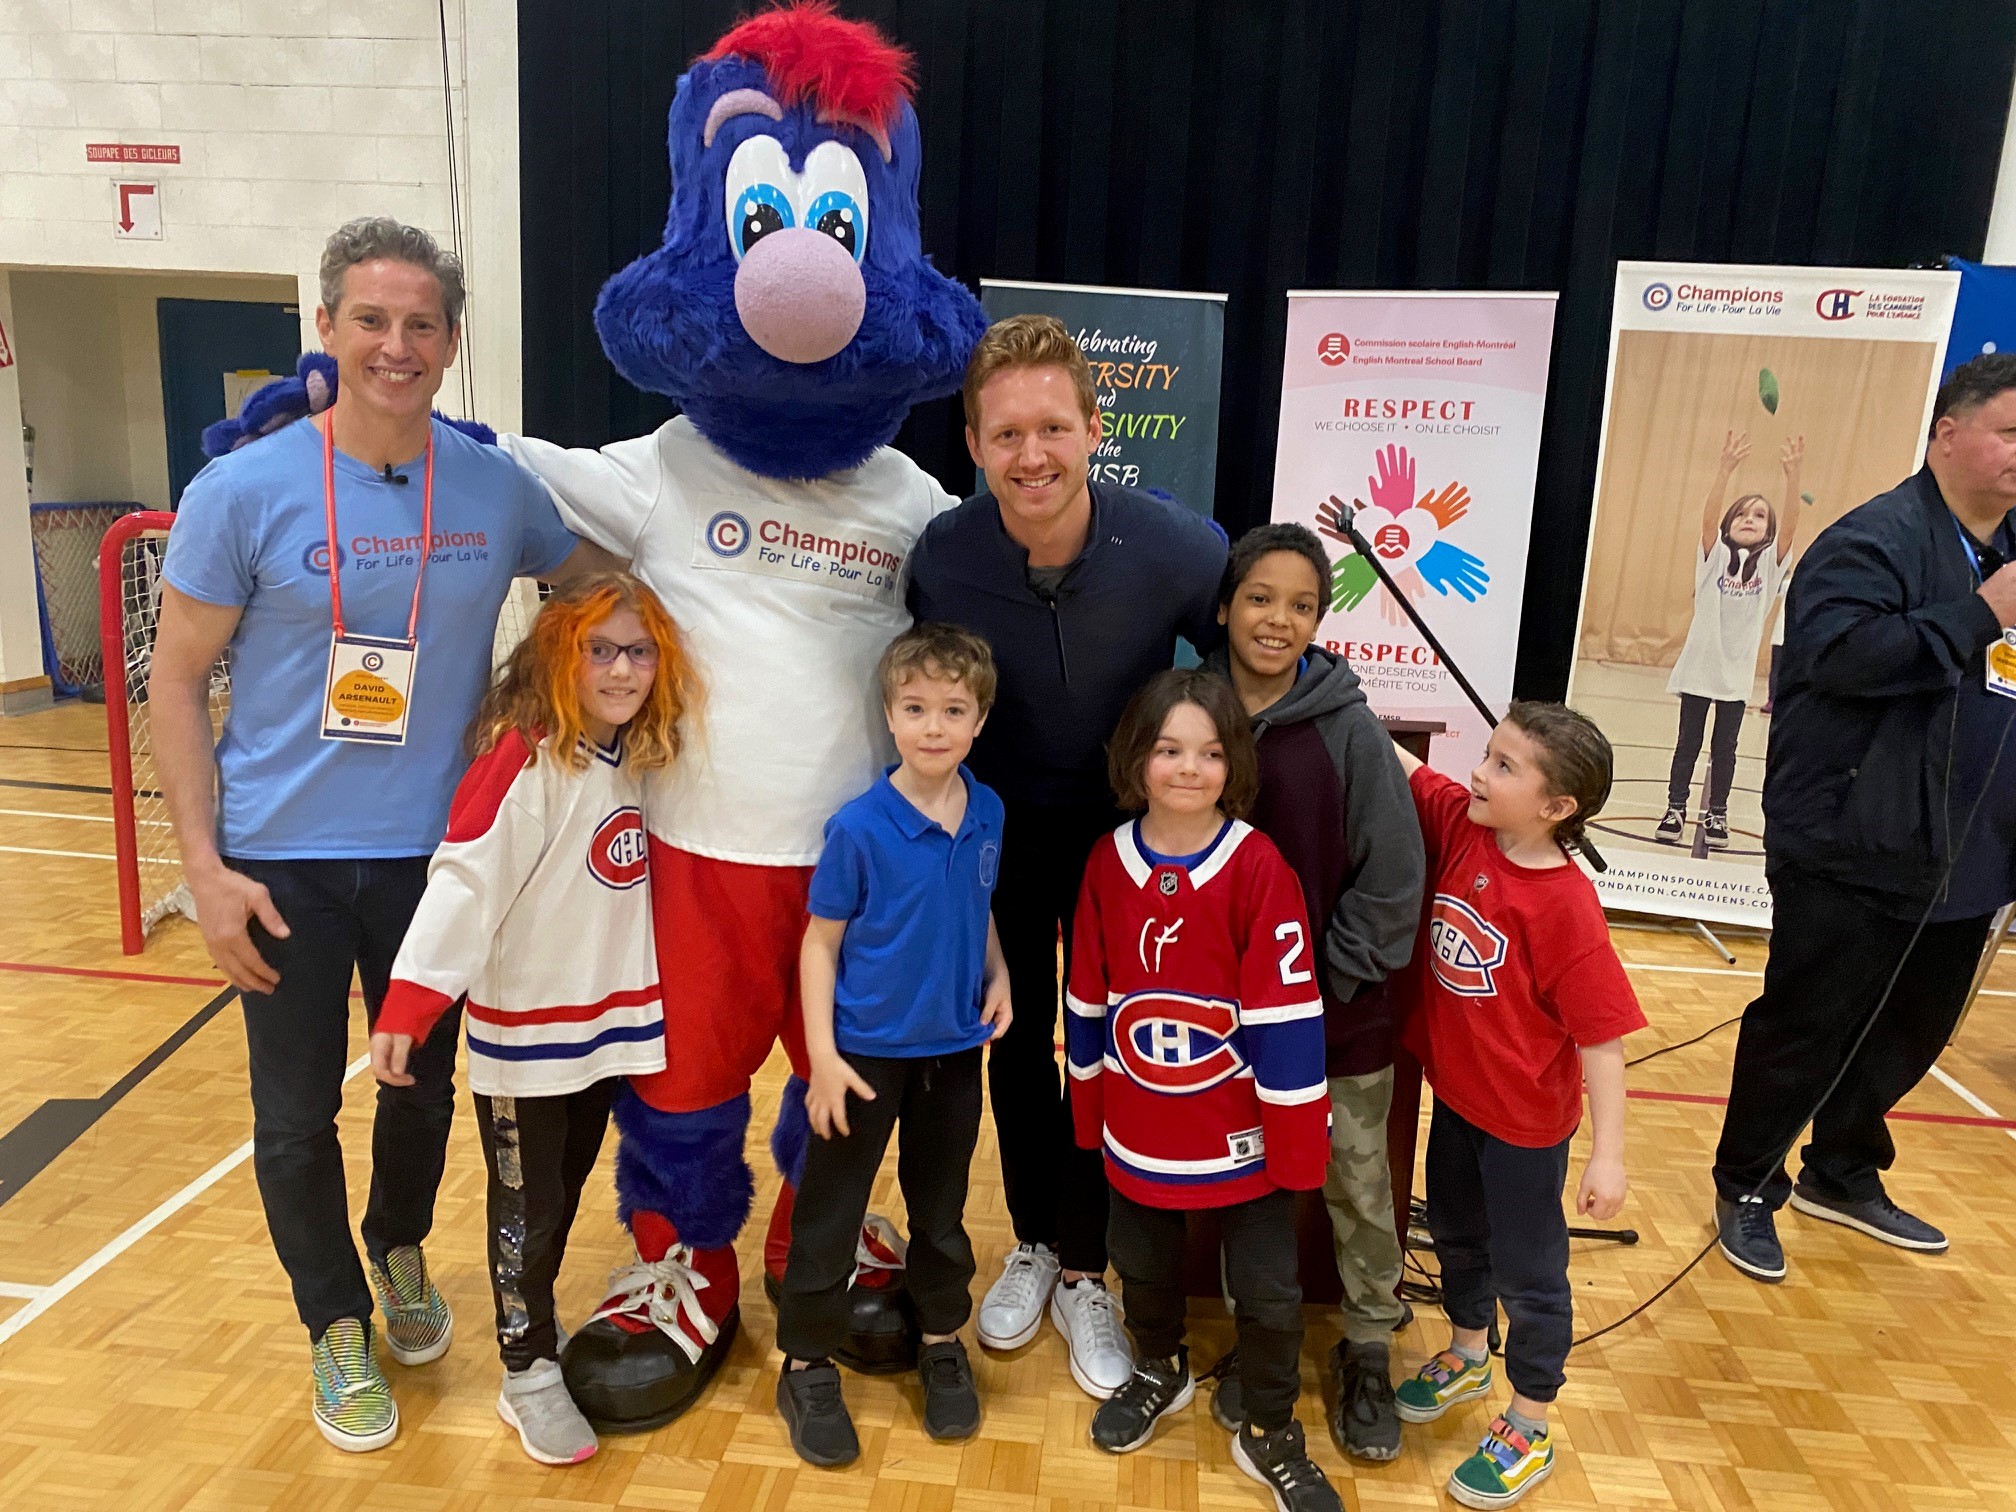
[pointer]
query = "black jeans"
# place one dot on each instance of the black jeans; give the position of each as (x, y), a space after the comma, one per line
(1056, 1192)
(1832, 951)
(344, 917)
(1259, 1256)
(1501, 1237)
(540, 1151)
(1721, 750)
(936, 1099)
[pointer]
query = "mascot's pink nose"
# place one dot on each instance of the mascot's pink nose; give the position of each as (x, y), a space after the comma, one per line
(799, 295)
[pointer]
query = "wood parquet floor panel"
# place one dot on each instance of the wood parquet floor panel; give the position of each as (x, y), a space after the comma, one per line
(174, 1375)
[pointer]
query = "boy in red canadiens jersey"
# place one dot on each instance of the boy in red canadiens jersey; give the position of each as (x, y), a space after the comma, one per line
(536, 908)
(1516, 996)
(1195, 1046)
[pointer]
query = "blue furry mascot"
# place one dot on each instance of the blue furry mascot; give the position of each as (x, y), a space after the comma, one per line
(792, 315)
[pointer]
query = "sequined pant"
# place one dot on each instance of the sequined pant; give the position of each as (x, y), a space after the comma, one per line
(540, 1151)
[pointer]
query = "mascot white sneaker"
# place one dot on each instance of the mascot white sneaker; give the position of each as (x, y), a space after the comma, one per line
(793, 317)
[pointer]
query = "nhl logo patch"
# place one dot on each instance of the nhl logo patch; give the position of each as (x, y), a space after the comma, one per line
(1168, 884)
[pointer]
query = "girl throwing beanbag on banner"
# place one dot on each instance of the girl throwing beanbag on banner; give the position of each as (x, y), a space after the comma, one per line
(537, 909)
(1745, 548)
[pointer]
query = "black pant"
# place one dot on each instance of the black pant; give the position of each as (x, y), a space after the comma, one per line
(540, 1151)
(1259, 1256)
(1056, 1192)
(1721, 750)
(1501, 1237)
(344, 916)
(1832, 951)
(936, 1099)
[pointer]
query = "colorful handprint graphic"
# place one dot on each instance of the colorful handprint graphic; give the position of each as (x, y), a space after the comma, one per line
(1409, 541)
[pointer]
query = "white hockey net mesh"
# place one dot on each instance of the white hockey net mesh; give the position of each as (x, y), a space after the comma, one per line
(67, 538)
(161, 888)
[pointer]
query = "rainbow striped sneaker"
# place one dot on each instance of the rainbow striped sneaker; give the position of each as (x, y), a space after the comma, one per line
(1439, 1385)
(1505, 1467)
(418, 1324)
(353, 1405)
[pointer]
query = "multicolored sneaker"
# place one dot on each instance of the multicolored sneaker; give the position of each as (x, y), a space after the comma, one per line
(1505, 1467)
(1439, 1385)
(353, 1405)
(418, 1324)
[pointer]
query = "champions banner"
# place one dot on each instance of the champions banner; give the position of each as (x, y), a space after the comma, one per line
(1423, 410)
(1156, 358)
(1747, 410)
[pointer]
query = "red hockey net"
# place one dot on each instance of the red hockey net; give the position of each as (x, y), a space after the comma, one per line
(129, 610)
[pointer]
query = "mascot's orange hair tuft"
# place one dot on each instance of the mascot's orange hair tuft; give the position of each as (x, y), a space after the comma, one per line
(846, 68)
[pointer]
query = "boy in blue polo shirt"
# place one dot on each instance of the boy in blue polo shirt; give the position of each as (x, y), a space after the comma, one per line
(902, 981)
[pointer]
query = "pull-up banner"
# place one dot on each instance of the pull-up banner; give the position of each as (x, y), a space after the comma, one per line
(1422, 409)
(1156, 356)
(1747, 410)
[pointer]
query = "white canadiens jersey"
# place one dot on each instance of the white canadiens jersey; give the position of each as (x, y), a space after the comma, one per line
(537, 908)
(787, 593)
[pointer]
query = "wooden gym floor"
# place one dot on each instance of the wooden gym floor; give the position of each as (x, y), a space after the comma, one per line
(149, 1356)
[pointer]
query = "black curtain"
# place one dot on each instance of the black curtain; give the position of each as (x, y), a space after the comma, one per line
(1253, 146)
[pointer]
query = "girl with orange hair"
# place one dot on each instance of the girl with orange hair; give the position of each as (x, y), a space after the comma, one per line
(537, 914)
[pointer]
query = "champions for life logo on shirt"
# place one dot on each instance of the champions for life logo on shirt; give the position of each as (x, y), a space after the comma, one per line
(1463, 950)
(616, 853)
(1175, 1043)
(773, 540)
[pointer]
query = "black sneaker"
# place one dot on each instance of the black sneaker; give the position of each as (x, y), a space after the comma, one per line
(951, 1405)
(1228, 1397)
(1363, 1420)
(1670, 827)
(1126, 1420)
(1747, 1231)
(1878, 1217)
(1716, 823)
(812, 1407)
(1280, 1462)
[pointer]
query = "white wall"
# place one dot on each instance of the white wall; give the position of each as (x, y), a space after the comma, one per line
(21, 676)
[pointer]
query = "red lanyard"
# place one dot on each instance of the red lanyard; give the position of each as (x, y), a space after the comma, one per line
(329, 514)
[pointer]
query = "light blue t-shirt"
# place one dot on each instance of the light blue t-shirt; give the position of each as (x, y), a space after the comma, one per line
(915, 901)
(251, 533)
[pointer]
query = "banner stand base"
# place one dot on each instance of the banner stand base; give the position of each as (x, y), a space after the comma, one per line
(1714, 944)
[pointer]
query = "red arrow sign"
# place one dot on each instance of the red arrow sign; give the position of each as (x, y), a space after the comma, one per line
(126, 196)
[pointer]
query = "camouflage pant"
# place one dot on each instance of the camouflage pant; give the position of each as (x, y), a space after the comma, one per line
(1358, 1191)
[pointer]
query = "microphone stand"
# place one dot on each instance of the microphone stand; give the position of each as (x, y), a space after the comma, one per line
(1347, 520)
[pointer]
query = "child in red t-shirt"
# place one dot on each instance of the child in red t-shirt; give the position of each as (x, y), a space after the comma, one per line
(1515, 996)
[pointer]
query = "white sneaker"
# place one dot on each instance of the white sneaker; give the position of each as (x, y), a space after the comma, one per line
(1088, 1315)
(1012, 1310)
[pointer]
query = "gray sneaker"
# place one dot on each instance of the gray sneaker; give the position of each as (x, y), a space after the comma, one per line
(1012, 1310)
(550, 1426)
(1878, 1217)
(1088, 1316)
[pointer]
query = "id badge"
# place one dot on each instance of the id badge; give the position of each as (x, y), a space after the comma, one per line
(2002, 665)
(370, 689)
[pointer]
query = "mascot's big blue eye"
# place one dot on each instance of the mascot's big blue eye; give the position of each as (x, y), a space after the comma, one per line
(759, 210)
(836, 215)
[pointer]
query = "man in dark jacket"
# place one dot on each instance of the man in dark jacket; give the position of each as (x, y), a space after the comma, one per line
(1081, 589)
(1335, 802)
(1890, 827)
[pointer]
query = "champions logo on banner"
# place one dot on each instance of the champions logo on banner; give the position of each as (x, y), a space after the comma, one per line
(1463, 950)
(1174, 1042)
(801, 545)
(616, 854)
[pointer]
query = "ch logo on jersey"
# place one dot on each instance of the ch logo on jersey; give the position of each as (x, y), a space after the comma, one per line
(616, 854)
(728, 534)
(1175, 1043)
(1463, 950)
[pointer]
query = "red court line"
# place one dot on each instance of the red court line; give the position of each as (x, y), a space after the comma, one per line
(115, 976)
(1965, 1120)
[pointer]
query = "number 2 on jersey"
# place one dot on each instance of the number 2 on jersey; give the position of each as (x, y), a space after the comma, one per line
(1297, 943)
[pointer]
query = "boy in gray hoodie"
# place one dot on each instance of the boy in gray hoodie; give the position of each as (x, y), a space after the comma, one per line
(1335, 802)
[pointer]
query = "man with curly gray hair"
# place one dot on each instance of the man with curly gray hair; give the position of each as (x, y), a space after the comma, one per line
(353, 567)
